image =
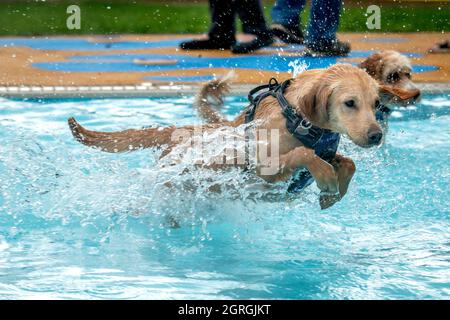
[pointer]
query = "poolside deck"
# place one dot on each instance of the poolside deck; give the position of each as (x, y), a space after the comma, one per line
(130, 61)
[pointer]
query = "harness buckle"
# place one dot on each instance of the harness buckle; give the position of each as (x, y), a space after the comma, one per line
(303, 127)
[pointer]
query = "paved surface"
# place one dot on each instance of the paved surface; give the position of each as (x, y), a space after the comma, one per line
(131, 60)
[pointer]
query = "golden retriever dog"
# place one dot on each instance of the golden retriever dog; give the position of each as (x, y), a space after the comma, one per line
(392, 68)
(342, 98)
(386, 67)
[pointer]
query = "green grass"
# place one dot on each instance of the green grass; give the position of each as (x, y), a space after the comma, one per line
(400, 18)
(120, 16)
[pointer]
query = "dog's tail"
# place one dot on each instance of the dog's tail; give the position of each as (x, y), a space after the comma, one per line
(210, 98)
(122, 141)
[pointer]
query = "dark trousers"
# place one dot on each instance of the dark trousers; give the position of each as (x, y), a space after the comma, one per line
(223, 13)
(323, 20)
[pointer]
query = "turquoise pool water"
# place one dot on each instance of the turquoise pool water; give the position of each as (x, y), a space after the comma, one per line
(79, 223)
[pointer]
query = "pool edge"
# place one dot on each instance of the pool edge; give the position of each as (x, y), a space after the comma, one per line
(144, 90)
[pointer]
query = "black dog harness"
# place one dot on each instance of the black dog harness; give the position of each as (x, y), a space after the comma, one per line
(382, 113)
(323, 141)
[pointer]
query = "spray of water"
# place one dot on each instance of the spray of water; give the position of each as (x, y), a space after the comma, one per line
(298, 66)
(77, 222)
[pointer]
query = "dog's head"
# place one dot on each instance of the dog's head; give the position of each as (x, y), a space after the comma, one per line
(344, 99)
(393, 69)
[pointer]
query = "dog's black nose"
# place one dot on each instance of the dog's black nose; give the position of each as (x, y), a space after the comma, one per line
(417, 96)
(374, 137)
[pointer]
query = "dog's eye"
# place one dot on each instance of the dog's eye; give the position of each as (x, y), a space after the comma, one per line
(350, 103)
(393, 77)
(408, 75)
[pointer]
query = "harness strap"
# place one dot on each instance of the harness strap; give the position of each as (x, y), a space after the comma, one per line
(254, 102)
(384, 109)
(323, 141)
(382, 113)
(299, 126)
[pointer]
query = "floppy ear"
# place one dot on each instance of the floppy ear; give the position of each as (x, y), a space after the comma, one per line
(311, 91)
(373, 65)
(321, 104)
(306, 104)
(314, 103)
(395, 93)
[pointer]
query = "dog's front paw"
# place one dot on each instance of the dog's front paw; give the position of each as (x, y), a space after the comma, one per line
(327, 179)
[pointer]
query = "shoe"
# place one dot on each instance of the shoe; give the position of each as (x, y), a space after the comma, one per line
(334, 48)
(207, 44)
(259, 42)
(441, 47)
(287, 35)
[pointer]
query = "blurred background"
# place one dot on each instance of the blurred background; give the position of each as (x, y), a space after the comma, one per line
(48, 17)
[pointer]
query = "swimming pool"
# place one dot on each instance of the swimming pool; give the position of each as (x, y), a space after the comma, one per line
(79, 223)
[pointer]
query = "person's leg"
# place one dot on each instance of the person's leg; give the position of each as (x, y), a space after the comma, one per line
(323, 24)
(286, 20)
(323, 21)
(287, 12)
(253, 21)
(251, 14)
(222, 20)
(221, 34)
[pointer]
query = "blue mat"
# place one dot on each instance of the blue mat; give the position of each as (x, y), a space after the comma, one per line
(269, 62)
(270, 58)
(80, 44)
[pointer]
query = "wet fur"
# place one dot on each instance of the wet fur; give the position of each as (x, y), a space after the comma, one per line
(211, 98)
(378, 66)
(317, 94)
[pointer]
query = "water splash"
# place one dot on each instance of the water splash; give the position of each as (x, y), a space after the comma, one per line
(79, 223)
(298, 66)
